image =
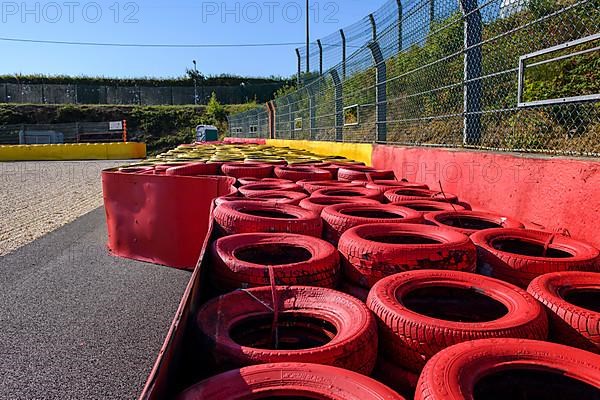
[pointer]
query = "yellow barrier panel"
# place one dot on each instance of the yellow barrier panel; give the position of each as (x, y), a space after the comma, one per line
(75, 151)
(354, 151)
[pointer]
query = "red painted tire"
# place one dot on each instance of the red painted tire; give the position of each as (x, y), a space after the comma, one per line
(248, 181)
(573, 303)
(136, 170)
(469, 222)
(279, 197)
(400, 379)
(290, 381)
(317, 325)
(339, 218)
(343, 164)
(420, 313)
(240, 170)
(427, 206)
(161, 169)
(313, 186)
(194, 169)
(354, 291)
(383, 186)
(217, 165)
(274, 163)
(318, 204)
(243, 261)
(516, 255)
(372, 252)
(253, 217)
(296, 174)
(228, 199)
(256, 188)
(331, 168)
(348, 192)
(510, 369)
(397, 195)
(356, 173)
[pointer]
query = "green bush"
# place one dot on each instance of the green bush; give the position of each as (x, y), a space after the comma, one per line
(185, 80)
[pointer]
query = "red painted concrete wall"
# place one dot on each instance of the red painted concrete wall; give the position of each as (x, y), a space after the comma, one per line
(552, 192)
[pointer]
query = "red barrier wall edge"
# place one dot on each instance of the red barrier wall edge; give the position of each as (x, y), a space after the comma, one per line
(229, 140)
(551, 192)
(160, 219)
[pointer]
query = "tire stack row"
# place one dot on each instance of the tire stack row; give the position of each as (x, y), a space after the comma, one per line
(440, 302)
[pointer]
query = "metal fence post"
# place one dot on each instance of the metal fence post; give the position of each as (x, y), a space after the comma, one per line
(271, 116)
(290, 121)
(473, 68)
(373, 27)
(343, 35)
(299, 67)
(339, 105)
(432, 12)
(380, 92)
(399, 2)
(320, 57)
(257, 113)
(312, 111)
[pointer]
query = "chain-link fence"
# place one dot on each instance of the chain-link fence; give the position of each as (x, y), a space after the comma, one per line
(517, 75)
(253, 123)
(134, 95)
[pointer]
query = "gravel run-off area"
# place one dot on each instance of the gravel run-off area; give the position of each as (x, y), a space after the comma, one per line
(39, 197)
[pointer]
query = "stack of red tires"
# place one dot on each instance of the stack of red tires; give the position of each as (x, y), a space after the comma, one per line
(343, 281)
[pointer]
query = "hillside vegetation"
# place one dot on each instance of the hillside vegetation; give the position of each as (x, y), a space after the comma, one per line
(160, 127)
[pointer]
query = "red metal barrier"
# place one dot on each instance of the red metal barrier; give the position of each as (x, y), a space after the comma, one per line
(160, 219)
(176, 366)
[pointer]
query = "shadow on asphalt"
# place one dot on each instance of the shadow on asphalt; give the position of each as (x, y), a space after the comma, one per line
(77, 322)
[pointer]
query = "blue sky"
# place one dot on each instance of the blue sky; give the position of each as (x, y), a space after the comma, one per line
(163, 21)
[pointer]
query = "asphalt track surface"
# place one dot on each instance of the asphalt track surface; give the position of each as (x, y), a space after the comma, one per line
(76, 322)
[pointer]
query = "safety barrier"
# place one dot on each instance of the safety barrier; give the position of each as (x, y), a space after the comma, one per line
(78, 151)
(144, 214)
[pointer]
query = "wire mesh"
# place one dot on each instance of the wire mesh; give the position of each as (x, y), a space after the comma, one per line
(252, 124)
(457, 73)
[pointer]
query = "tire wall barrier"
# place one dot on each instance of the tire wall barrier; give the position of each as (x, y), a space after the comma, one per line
(78, 151)
(545, 192)
(177, 364)
(542, 191)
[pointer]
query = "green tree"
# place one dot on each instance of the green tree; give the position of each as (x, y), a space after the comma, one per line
(215, 111)
(195, 75)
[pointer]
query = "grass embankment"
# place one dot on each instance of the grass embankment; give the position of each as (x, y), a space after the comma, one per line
(160, 127)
